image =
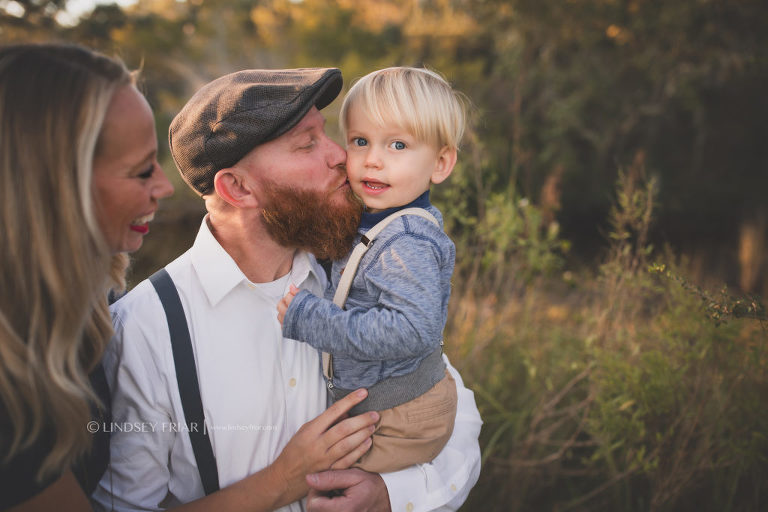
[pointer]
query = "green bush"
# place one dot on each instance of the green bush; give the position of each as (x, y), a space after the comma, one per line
(620, 392)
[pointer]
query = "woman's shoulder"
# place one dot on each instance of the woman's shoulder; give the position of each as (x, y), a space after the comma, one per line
(19, 473)
(89, 469)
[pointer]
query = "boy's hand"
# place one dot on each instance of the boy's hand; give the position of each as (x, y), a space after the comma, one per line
(282, 306)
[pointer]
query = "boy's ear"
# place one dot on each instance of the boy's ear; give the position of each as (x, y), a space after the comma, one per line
(231, 185)
(446, 160)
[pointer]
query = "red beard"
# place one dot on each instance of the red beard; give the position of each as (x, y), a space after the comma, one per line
(311, 220)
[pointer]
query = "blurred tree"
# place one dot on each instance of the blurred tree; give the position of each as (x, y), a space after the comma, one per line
(29, 19)
(565, 92)
(593, 85)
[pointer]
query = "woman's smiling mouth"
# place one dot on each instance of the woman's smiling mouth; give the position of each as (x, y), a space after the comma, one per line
(141, 225)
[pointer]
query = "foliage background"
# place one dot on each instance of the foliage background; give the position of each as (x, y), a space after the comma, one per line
(608, 137)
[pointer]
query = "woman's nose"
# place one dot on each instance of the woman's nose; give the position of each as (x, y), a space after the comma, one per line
(163, 187)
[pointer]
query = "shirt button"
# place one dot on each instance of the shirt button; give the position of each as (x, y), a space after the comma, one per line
(409, 507)
(292, 382)
(453, 487)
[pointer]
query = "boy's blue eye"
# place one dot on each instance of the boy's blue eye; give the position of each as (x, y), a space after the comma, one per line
(359, 141)
(398, 144)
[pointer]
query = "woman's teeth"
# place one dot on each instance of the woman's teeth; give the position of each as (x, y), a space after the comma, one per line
(143, 220)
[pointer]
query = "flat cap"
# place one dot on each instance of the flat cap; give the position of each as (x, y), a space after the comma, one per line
(230, 116)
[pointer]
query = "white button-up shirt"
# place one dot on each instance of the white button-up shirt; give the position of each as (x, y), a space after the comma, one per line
(257, 389)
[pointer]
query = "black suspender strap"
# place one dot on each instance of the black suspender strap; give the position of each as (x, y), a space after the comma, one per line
(186, 377)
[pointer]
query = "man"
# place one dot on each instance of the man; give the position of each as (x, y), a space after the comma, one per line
(253, 145)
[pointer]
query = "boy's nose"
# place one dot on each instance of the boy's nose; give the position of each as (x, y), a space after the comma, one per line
(372, 158)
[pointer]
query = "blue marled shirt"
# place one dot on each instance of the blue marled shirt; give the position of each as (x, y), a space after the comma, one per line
(397, 305)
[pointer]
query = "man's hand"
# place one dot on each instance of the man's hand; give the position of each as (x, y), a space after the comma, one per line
(331, 441)
(348, 490)
(282, 306)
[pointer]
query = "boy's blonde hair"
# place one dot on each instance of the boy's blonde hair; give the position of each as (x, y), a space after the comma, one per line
(416, 99)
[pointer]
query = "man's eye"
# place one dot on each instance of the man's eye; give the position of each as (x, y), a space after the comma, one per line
(398, 144)
(359, 141)
(145, 175)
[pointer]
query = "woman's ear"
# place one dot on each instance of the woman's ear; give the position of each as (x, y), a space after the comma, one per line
(232, 186)
(446, 160)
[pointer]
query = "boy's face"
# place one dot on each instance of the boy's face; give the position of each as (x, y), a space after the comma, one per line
(389, 167)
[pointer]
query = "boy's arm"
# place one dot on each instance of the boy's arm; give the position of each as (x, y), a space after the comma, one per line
(407, 320)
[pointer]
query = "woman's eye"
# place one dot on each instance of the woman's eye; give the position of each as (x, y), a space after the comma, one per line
(359, 141)
(398, 144)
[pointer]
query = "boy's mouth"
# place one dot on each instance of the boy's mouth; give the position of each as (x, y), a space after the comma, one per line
(374, 185)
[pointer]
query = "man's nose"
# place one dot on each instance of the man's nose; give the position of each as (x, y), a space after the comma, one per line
(336, 157)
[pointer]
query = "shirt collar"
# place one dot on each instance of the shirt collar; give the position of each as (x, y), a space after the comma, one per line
(369, 220)
(219, 274)
(217, 271)
(305, 266)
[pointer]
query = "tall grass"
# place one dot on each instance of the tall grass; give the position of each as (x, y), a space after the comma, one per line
(619, 389)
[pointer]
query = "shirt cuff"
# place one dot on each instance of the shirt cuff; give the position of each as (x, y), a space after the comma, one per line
(406, 489)
(409, 489)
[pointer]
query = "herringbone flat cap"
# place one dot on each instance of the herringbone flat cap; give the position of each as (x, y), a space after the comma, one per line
(230, 116)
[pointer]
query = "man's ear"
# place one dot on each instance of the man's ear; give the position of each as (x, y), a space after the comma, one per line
(231, 185)
(446, 160)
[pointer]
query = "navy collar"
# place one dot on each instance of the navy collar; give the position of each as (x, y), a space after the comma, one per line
(371, 219)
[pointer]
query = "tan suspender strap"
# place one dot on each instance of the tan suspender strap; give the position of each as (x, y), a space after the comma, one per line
(342, 291)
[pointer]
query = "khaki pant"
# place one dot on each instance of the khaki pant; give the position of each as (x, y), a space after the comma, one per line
(413, 432)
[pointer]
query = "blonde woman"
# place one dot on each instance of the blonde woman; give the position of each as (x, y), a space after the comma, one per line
(79, 181)
(79, 184)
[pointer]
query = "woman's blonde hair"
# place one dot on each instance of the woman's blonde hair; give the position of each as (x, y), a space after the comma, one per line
(55, 266)
(416, 99)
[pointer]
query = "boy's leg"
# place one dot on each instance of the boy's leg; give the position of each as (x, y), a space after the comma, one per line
(413, 432)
